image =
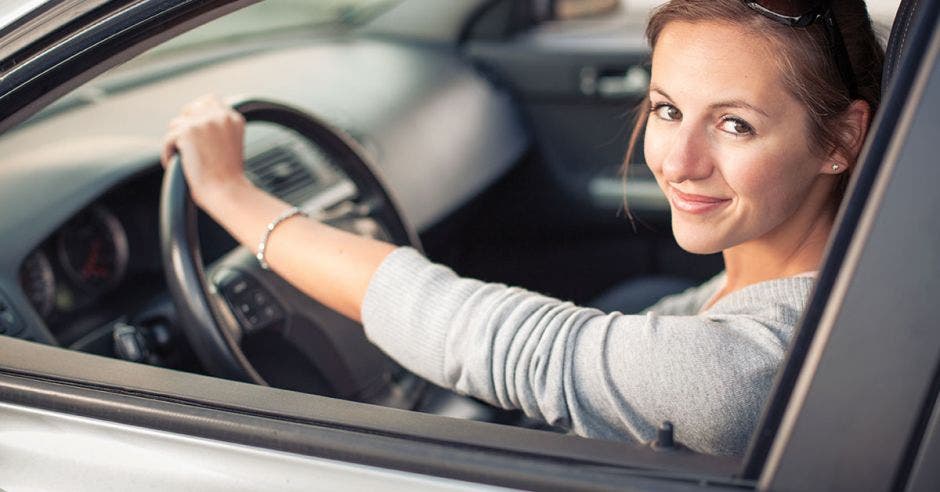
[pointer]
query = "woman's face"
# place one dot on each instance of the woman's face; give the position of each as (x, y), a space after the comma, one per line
(727, 143)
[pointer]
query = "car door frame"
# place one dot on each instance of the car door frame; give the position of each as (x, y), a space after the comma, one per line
(871, 323)
(69, 383)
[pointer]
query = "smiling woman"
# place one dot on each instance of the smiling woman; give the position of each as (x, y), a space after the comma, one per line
(467, 119)
(733, 148)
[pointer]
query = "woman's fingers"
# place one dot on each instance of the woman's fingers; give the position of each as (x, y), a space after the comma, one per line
(169, 147)
(208, 135)
(192, 122)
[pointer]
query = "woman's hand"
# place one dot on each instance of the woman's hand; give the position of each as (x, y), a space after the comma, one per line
(209, 135)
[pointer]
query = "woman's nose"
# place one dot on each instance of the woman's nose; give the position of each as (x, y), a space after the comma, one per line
(689, 157)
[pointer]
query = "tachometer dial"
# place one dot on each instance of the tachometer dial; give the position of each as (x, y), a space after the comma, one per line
(93, 250)
(38, 282)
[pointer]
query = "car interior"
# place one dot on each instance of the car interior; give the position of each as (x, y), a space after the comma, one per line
(490, 136)
(467, 141)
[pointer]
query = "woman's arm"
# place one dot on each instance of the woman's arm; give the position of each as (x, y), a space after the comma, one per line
(609, 376)
(326, 263)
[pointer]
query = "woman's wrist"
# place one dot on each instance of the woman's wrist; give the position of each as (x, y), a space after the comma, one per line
(242, 208)
(224, 194)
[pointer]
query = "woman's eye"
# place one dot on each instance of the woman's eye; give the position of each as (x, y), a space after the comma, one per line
(667, 112)
(735, 126)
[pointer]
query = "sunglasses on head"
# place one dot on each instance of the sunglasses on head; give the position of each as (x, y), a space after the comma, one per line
(796, 13)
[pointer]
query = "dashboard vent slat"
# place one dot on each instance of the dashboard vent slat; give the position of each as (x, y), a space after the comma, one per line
(279, 172)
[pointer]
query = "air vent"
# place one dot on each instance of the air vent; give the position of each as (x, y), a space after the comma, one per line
(279, 172)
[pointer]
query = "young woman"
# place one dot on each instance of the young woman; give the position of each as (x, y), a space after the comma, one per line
(755, 116)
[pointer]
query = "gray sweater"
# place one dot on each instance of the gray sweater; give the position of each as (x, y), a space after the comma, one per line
(609, 376)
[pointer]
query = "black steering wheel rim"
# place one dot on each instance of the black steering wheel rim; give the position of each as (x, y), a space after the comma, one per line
(209, 326)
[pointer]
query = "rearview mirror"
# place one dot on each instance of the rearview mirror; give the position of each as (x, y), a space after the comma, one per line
(575, 9)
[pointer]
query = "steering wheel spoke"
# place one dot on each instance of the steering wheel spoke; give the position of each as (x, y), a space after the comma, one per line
(370, 207)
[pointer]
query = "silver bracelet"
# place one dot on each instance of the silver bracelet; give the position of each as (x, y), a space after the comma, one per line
(263, 245)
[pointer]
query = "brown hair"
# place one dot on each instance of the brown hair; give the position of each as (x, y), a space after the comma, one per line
(802, 54)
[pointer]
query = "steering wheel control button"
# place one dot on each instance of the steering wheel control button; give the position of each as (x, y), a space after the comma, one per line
(254, 308)
(239, 287)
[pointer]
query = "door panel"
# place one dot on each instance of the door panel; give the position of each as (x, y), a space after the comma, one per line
(578, 84)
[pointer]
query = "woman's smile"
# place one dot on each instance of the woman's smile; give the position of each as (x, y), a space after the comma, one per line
(695, 203)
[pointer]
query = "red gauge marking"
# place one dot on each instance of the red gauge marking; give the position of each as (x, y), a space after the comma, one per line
(91, 268)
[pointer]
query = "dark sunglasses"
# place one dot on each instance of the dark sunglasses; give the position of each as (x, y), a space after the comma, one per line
(796, 13)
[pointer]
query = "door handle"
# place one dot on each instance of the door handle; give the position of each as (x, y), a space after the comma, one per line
(614, 84)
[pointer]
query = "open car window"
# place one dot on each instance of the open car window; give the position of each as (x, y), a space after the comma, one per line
(94, 149)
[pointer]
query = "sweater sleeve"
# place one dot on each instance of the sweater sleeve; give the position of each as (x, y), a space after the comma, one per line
(608, 376)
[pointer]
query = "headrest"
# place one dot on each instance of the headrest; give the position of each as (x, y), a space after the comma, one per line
(909, 11)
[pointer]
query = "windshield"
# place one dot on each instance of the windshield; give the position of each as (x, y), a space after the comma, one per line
(279, 16)
(229, 35)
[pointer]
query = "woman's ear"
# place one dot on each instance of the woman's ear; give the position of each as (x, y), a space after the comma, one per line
(854, 123)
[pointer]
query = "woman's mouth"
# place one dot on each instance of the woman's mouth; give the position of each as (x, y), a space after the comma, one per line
(695, 204)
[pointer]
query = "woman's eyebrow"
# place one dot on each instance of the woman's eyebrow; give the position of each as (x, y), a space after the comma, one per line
(732, 103)
(737, 103)
(661, 92)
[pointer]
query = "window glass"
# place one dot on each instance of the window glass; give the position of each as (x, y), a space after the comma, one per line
(287, 16)
(283, 19)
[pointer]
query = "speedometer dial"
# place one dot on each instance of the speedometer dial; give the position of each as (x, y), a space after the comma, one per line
(93, 250)
(38, 282)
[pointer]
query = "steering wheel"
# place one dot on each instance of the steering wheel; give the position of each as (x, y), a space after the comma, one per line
(240, 301)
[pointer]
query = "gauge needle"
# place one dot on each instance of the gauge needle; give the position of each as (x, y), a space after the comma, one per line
(91, 268)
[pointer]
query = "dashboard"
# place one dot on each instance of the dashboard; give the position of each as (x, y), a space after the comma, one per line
(81, 183)
(77, 275)
(103, 262)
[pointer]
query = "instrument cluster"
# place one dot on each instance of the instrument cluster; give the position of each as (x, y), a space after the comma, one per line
(82, 261)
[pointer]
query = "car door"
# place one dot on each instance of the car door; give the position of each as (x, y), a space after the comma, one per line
(73, 420)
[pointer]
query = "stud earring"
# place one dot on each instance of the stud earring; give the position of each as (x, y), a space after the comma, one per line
(835, 167)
